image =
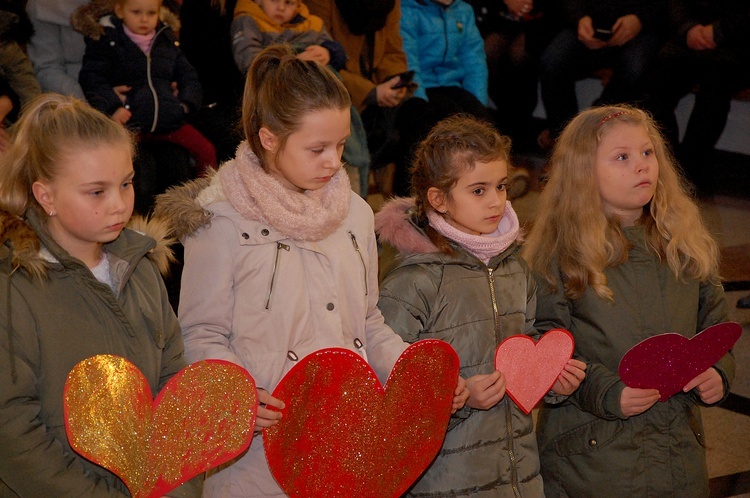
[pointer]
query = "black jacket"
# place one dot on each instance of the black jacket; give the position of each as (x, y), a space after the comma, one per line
(114, 59)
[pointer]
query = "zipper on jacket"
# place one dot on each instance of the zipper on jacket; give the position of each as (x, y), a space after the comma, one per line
(511, 449)
(279, 247)
(508, 406)
(361, 258)
(150, 80)
(495, 312)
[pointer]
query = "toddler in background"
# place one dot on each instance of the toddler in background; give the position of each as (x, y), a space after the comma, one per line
(260, 23)
(140, 54)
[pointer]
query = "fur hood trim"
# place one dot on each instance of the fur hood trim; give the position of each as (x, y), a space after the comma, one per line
(28, 253)
(87, 19)
(180, 209)
(394, 225)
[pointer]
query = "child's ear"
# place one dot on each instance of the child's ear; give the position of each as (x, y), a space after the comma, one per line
(118, 11)
(437, 200)
(268, 139)
(43, 195)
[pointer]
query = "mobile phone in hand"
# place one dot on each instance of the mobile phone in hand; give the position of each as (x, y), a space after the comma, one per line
(405, 80)
(603, 34)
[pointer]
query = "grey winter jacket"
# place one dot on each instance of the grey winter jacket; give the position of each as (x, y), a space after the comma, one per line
(473, 307)
(587, 446)
(60, 314)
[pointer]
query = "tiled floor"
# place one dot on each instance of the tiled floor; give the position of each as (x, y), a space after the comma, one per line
(727, 427)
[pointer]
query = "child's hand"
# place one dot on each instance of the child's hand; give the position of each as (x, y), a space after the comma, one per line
(315, 53)
(122, 92)
(709, 385)
(570, 378)
(634, 401)
(485, 391)
(266, 417)
(460, 395)
(122, 115)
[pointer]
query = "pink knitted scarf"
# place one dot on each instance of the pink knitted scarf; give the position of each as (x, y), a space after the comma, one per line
(486, 246)
(311, 215)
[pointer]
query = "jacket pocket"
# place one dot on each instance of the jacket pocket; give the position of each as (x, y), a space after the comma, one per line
(696, 424)
(589, 437)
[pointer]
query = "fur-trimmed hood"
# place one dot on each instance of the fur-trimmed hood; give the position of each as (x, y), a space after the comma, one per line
(22, 244)
(91, 18)
(395, 224)
(180, 209)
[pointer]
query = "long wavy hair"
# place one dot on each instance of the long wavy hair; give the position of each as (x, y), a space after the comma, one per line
(572, 229)
(452, 147)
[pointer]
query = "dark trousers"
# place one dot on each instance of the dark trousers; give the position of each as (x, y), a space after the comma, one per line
(718, 74)
(566, 60)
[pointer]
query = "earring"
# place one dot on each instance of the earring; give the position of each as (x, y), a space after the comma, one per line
(52, 213)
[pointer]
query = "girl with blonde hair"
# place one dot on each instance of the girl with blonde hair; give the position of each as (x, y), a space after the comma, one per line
(620, 254)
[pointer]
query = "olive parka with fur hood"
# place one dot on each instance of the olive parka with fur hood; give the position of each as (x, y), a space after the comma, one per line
(473, 307)
(55, 313)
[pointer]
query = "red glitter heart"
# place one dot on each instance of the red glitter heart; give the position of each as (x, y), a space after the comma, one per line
(343, 434)
(531, 369)
(203, 417)
(667, 362)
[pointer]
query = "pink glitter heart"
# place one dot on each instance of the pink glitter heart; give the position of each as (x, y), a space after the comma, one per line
(531, 369)
(667, 362)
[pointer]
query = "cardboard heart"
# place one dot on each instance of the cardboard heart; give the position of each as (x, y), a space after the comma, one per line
(530, 369)
(343, 434)
(204, 416)
(667, 362)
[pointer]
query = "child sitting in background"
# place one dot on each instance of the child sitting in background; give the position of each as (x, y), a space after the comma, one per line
(260, 23)
(139, 52)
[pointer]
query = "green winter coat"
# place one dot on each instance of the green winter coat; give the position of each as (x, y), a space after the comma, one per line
(587, 446)
(473, 307)
(60, 315)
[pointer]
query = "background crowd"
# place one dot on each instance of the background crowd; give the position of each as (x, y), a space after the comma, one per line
(488, 58)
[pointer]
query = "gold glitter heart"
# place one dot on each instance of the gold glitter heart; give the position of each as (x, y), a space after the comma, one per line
(203, 417)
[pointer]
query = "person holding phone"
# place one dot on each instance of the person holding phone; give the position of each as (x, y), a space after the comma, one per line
(621, 36)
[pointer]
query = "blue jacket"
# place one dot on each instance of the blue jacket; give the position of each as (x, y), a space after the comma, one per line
(114, 59)
(444, 47)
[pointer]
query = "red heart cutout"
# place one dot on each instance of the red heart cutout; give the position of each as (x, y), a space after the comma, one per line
(203, 417)
(667, 362)
(343, 434)
(530, 369)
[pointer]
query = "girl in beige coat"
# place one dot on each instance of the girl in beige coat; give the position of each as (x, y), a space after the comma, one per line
(280, 257)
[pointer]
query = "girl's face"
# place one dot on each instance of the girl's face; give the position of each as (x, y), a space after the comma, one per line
(312, 154)
(91, 199)
(626, 171)
(476, 203)
(140, 16)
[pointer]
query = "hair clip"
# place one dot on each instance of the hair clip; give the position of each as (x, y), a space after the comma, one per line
(607, 118)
